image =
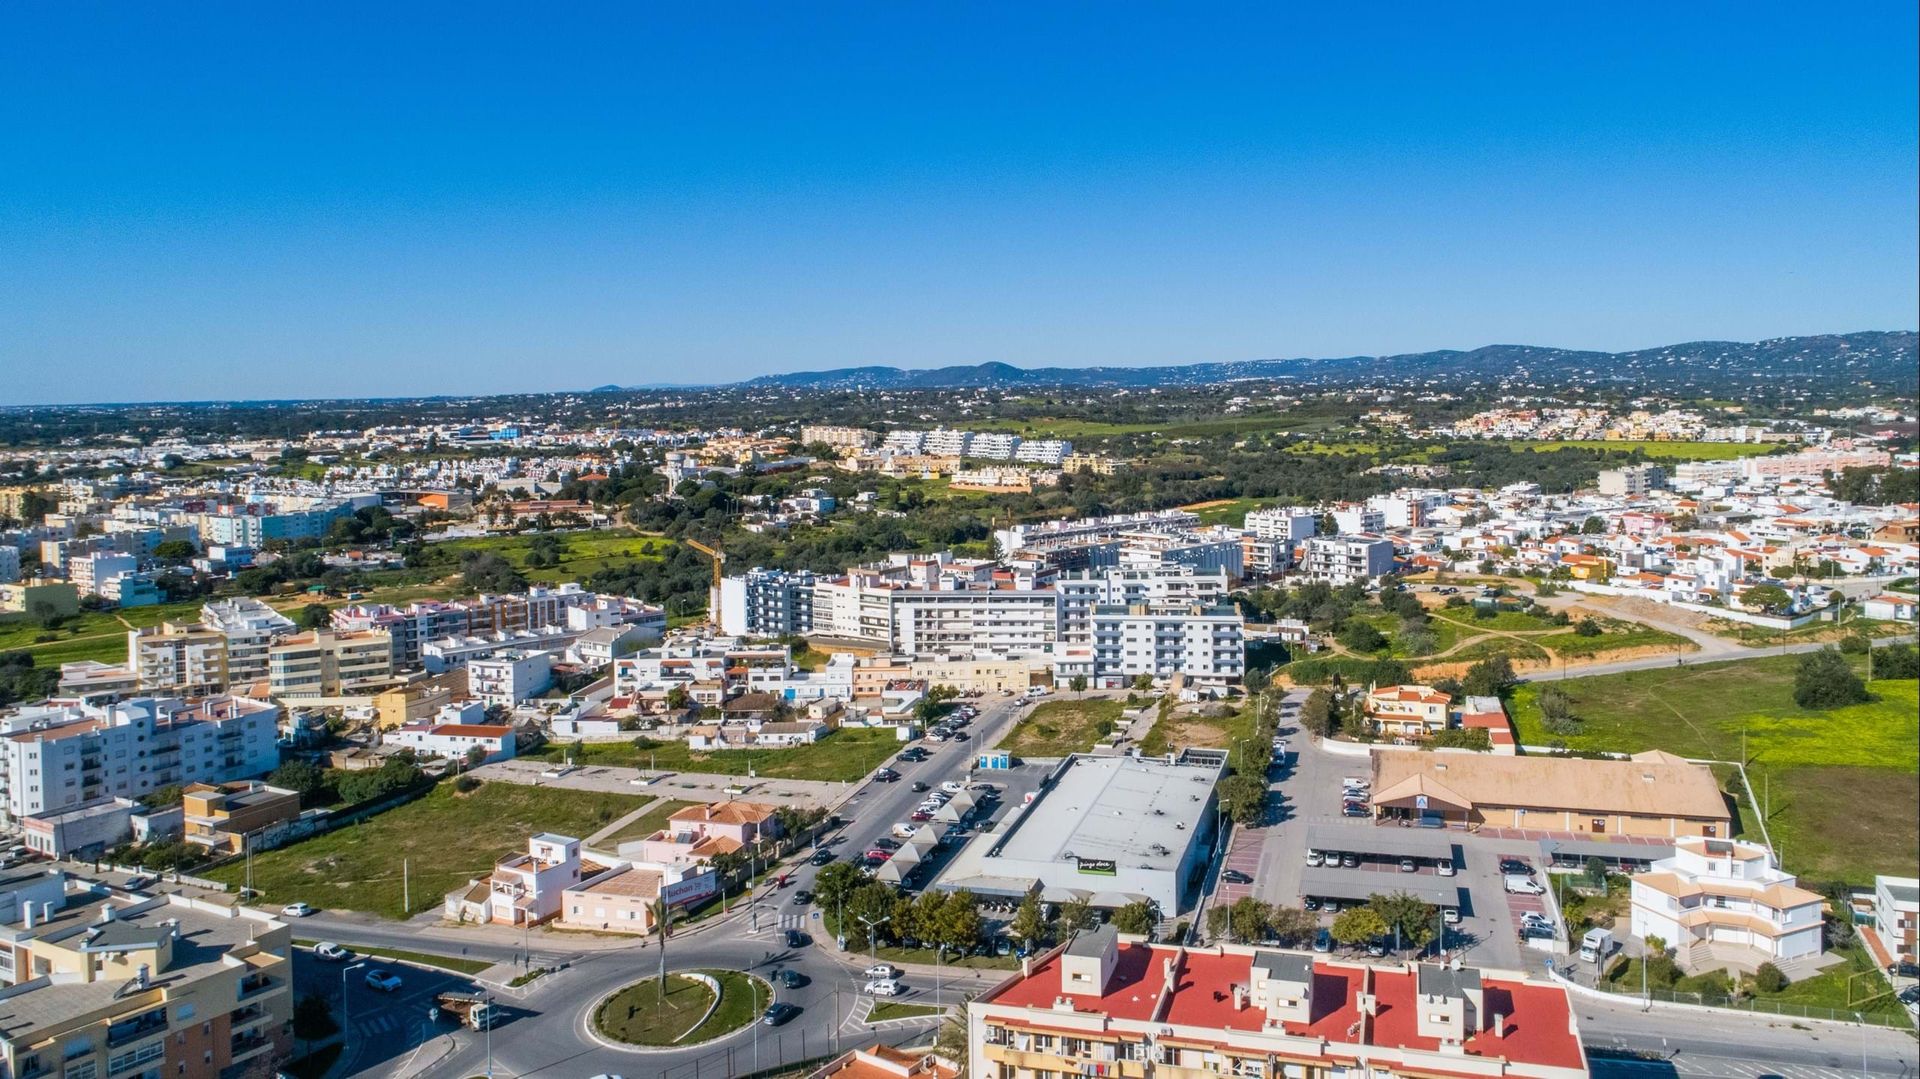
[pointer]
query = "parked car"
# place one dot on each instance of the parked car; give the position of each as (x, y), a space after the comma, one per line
(1510, 867)
(887, 842)
(778, 1013)
(1353, 810)
(822, 857)
(1314, 857)
(1451, 916)
(1519, 885)
(1234, 876)
(881, 971)
(953, 786)
(140, 882)
(331, 952)
(920, 786)
(1905, 968)
(1323, 941)
(1310, 903)
(1349, 860)
(383, 979)
(1445, 867)
(291, 910)
(1408, 865)
(878, 855)
(921, 815)
(1376, 948)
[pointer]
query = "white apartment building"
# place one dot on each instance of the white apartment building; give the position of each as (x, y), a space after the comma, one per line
(1044, 451)
(178, 659)
(944, 442)
(1631, 481)
(250, 628)
(1282, 523)
(510, 677)
(857, 607)
(1208, 552)
(1343, 559)
(767, 603)
(1202, 644)
(905, 442)
(90, 572)
(992, 446)
(996, 621)
(54, 757)
(1081, 593)
(1896, 914)
(438, 738)
(1053, 535)
(1406, 509)
(1353, 518)
(1810, 464)
(1721, 902)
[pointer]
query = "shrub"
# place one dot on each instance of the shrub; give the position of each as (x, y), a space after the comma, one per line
(1855, 644)
(1769, 979)
(1825, 679)
(1588, 628)
(466, 784)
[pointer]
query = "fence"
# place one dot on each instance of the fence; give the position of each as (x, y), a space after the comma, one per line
(1756, 1005)
(792, 1052)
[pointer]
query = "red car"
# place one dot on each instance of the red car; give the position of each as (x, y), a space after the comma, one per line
(922, 815)
(878, 855)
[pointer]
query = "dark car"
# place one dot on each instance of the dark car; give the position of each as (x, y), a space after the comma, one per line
(1510, 865)
(886, 775)
(779, 1013)
(1353, 811)
(1310, 903)
(822, 857)
(796, 939)
(960, 736)
(920, 785)
(1234, 876)
(802, 897)
(792, 979)
(1904, 969)
(887, 842)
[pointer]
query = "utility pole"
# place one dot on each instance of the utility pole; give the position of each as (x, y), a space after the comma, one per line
(406, 889)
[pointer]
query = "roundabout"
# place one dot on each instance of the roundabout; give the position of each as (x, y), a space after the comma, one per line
(692, 1008)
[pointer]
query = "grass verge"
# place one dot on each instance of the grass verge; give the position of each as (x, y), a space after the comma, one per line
(842, 756)
(1057, 728)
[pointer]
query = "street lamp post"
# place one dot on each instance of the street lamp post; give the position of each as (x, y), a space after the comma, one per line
(346, 1007)
(873, 936)
(489, 999)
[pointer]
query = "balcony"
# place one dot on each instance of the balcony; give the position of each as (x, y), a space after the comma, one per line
(246, 1045)
(255, 984)
(145, 1026)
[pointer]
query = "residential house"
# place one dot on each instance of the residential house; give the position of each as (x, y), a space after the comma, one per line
(1722, 903)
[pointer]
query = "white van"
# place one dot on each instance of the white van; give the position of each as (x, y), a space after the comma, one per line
(1523, 885)
(1596, 945)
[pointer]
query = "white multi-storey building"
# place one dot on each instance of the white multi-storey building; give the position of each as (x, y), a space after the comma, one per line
(1202, 644)
(54, 757)
(250, 628)
(906, 442)
(1721, 902)
(993, 446)
(945, 442)
(767, 603)
(90, 572)
(1343, 559)
(1081, 593)
(1052, 535)
(1044, 451)
(178, 658)
(510, 677)
(856, 438)
(1354, 518)
(1282, 523)
(997, 621)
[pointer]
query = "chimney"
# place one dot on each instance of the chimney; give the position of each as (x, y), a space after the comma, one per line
(140, 976)
(1026, 966)
(1367, 1003)
(46, 912)
(1499, 1024)
(26, 914)
(106, 912)
(1167, 973)
(1239, 997)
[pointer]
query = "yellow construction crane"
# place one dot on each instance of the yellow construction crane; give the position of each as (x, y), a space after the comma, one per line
(713, 594)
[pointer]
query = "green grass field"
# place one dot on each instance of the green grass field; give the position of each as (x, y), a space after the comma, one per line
(1677, 451)
(1842, 783)
(582, 553)
(1230, 511)
(445, 838)
(1615, 636)
(1057, 728)
(842, 756)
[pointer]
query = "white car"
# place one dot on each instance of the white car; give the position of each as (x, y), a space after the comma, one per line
(905, 830)
(1314, 857)
(297, 910)
(331, 952)
(953, 786)
(880, 971)
(1519, 885)
(882, 987)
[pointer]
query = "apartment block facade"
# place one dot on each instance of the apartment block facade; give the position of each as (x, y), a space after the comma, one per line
(1345, 559)
(321, 664)
(55, 757)
(250, 628)
(178, 659)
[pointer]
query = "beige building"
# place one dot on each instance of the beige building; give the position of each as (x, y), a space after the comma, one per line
(851, 438)
(1089, 462)
(145, 989)
(322, 664)
(178, 658)
(420, 699)
(1407, 711)
(1648, 794)
(220, 817)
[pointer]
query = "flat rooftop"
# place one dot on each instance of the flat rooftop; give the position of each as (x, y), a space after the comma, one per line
(1139, 812)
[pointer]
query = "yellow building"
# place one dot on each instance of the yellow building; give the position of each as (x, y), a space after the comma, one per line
(220, 816)
(39, 597)
(178, 659)
(167, 987)
(418, 700)
(323, 665)
(1407, 711)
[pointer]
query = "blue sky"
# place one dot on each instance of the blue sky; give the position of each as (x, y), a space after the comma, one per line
(250, 200)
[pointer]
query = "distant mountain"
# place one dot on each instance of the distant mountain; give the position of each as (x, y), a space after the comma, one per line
(1858, 358)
